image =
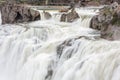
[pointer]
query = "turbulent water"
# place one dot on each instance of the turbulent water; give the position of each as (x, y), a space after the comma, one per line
(54, 50)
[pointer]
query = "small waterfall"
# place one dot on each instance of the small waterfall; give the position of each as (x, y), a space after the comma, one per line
(51, 14)
(53, 50)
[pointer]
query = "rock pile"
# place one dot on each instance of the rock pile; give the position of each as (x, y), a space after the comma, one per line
(14, 13)
(108, 22)
(95, 2)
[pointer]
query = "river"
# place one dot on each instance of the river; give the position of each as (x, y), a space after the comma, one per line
(54, 50)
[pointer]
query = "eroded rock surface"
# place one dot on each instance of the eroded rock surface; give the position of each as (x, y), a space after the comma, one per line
(14, 13)
(108, 22)
(69, 17)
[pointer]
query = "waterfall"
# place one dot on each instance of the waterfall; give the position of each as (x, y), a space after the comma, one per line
(54, 50)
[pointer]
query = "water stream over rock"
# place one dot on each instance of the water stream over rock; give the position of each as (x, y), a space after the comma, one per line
(54, 50)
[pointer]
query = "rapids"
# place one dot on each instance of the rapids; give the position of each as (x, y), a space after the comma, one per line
(54, 50)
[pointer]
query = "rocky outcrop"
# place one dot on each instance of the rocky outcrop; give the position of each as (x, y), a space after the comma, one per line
(108, 22)
(14, 13)
(69, 17)
(95, 2)
(47, 15)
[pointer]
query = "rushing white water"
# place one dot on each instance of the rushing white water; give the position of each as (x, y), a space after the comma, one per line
(53, 50)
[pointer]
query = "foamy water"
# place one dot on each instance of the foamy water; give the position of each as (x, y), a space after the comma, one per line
(54, 50)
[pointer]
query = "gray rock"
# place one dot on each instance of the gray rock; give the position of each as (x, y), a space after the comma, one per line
(63, 18)
(108, 22)
(69, 17)
(47, 15)
(14, 13)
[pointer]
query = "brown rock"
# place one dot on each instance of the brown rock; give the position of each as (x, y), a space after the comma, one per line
(13, 13)
(70, 17)
(63, 18)
(47, 15)
(108, 22)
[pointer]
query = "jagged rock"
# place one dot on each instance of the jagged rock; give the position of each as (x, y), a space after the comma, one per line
(95, 2)
(69, 17)
(108, 22)
(14, 13)
(47, 15)
(63, 18)
(35, 14)
(72, 16)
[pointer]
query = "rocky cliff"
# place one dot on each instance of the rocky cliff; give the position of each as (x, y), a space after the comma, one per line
(108, 22)
(14, 13)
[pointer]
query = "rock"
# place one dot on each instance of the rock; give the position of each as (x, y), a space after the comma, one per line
(108, 22)
(94, 2)
(35, 14)
(47, 15)
(72, 16)
(63, 18)
(14, 13)
(108, 2)
(69, 17)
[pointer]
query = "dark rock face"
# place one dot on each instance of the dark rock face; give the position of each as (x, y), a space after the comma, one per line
(69, 17)
(95, 2)
(63, 17)
(109, 1)
(108, 22)
(12, 13)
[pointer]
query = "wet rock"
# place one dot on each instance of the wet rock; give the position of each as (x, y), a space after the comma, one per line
(70, 42)
(47, 15)
(72, 16)
(108, 2)
(35, 15)
(69, 17)
(108, 22)
(95, 2)
(14, 13)
(63, 18)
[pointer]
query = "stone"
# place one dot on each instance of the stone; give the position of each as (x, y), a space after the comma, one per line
(108, 22)
(72, 16)
(69, 17)
(63, 18)
(14, 13)
(47, 15)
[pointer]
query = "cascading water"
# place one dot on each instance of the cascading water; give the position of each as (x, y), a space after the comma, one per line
(53, 50)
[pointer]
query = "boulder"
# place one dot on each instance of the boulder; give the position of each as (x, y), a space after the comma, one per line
(63, 17)
(14, 13)
(47, 15)
(108, 22)
(69, 17)
(95, 2)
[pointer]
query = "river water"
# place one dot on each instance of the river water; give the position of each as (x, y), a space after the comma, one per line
(54, 50)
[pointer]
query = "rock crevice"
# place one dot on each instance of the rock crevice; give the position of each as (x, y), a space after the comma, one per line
(108, 22)
(14, 13)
